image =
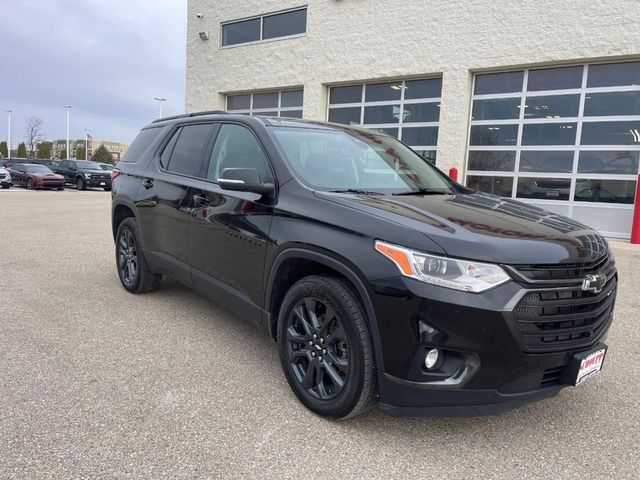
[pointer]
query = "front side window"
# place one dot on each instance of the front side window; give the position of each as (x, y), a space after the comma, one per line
(265, 27)
(357, 160)
(237, 147)
(186, 157)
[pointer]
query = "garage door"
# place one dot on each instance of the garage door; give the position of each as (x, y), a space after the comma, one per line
(564, 138)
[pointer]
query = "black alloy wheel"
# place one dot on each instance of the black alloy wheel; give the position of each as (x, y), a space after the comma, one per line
(29, 184)
(80, 184)
(318, 348)
(325, 347)
(127, 257)
(133, 271)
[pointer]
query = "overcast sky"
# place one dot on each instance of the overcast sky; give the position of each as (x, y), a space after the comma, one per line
(107, 58)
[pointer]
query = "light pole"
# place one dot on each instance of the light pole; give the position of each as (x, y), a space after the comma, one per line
(160, 101)
(68, 108)
(86, 144)
(9, 132)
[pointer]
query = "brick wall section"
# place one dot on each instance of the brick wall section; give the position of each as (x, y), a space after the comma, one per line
(354, 40)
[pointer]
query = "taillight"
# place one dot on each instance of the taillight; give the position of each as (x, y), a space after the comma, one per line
(115, 173)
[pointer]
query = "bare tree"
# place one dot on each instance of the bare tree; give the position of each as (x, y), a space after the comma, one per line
(33, 134)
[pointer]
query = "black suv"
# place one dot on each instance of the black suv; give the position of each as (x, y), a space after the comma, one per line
(378, 276)
(83, 174)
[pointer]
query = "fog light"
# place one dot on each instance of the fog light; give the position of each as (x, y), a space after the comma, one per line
(431, 360)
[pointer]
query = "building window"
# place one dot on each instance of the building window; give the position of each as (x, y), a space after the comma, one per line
(567, 138)
(283, 103)
(284, 24)
(408, 110)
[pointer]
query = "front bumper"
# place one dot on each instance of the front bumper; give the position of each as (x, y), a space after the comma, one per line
(49, 184)
(491, 368)
(414, 399)
(97, 183)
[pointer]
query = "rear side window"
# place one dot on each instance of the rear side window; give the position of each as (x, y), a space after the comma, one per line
(140, 144)
(166, 153)
(187, 155)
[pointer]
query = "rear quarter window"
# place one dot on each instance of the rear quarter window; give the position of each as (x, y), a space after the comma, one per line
(140, 144)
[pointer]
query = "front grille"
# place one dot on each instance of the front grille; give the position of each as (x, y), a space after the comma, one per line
(564, 271)
(3, 176)
(102, 178)
(563, 319)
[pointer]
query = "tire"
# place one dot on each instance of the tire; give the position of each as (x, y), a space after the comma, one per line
(107, 189)
(137, 278)
(315, 366)
(29, 184)
(5, 185)
(61, 188)
(80, 185)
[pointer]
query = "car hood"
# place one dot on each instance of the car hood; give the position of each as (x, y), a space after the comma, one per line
(92, 170)
(484, 227)
(4, 171)
(46, 175)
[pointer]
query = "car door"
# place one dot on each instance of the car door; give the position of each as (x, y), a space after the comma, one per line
(164, 200)
(18, 175)
(228, 231)
(65, 171)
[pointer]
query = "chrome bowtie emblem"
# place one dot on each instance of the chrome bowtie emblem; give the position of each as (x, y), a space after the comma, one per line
(594, 283)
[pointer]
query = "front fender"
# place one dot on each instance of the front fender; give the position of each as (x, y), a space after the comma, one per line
(344, 268)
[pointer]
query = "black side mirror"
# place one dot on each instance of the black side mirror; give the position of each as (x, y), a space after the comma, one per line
(244, 180)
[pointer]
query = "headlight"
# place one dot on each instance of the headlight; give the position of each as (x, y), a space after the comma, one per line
(446, 272)
(87, 175)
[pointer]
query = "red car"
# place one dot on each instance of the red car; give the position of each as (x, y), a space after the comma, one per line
(32, 175)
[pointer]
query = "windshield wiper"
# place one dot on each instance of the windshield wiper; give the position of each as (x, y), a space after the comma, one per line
(427, 191)
(356, 191)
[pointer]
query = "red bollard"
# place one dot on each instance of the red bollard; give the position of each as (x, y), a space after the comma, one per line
(453, 174)
(635, 225)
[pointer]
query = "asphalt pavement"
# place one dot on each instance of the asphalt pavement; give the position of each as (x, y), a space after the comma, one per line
(98, 383)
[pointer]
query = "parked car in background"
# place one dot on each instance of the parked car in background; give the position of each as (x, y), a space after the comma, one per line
(84, 174)
(52, 164)
(379, 277)
(5, 178)
(8, 162)
(107, 167)
(34, 176)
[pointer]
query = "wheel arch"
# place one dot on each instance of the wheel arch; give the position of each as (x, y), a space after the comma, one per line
(119, 213)
(308, 262)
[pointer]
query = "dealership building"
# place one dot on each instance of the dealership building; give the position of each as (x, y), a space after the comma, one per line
(533, 100)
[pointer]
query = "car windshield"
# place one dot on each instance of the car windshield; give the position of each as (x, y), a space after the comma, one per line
(37, 169)
(357, 161)
(104, 166)
(88, 164)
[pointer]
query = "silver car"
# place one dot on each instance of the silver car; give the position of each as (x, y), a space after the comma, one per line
(5, 178)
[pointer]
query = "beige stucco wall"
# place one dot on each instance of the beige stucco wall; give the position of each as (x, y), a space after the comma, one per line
(353, 40)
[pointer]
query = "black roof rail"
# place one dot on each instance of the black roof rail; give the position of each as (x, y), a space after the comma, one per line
(194, 114)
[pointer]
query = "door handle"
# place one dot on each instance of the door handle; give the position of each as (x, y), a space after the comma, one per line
(148, 183)
(200, 201)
